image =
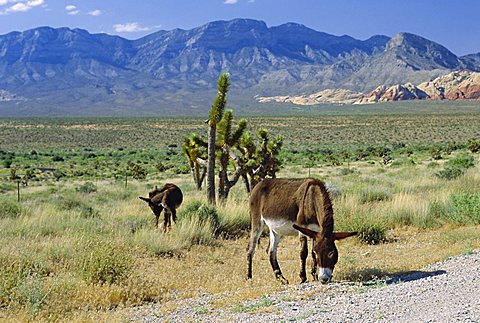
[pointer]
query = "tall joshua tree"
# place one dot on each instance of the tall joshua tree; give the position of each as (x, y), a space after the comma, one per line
(216, 114)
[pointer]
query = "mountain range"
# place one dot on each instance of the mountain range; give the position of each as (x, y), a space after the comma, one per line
(71, 72)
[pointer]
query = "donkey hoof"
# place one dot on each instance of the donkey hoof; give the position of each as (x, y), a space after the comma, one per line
(282, 280)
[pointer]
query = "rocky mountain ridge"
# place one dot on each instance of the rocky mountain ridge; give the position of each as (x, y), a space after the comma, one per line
(458, 85)
(62, 71)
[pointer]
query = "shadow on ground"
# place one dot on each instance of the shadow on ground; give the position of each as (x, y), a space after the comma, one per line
(374, 276)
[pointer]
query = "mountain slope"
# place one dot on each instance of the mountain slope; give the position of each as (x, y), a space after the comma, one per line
(72, 72)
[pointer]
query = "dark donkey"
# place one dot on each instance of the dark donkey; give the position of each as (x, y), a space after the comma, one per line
(295, 206)
(169, 197)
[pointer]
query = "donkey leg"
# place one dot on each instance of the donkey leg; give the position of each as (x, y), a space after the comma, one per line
(254, 237)
(303, 257)
(314, 263)
(274, 240)
(166, 221)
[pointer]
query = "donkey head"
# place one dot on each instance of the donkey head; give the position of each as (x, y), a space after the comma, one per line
(157, 208)
(324, 250)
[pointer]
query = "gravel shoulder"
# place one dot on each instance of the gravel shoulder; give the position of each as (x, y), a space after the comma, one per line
(447, 291)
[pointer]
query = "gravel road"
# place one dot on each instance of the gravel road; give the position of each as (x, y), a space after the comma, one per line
(448, 291)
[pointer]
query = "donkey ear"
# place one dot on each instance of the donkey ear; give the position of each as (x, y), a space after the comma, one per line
(148, 200)
(310, 233)
(343, 235)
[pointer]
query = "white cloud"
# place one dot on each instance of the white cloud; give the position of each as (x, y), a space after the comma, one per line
(230, 1)
(95, 12)
(72, 10)
(35, 3)
(20, 6)
(129, 27)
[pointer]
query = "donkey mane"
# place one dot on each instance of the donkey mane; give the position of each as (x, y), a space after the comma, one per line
(326, 207)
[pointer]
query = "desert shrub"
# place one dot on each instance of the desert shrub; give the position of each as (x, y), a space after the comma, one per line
(370, 229)
(234, 219)
(133, 223)
(20, 282)
(473, 145)
(7, 163)
(412, 217)
(465, 208)
(374, 195)
(201, 211)
(57, 158)
(346, 171)
(194, 231)
(137, 171)
(87, 188)
(449, 173)
(182, 169)
(103, 262)
(436, 152)
(72, 203)
(9, 208)
(462, 161)
(456, 167)
(373, 233)
(159, 243)
(188, 232)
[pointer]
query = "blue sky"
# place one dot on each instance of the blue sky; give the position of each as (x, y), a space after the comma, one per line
(454, 24)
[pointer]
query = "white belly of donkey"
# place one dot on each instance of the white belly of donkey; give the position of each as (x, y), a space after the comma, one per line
(285, 227)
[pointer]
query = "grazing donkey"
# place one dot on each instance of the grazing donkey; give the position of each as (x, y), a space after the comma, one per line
(169, 197)
(295, 206)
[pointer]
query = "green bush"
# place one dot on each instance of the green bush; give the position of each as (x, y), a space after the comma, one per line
(462, 161)
(450, 173)
(9, 208)
(456, 167)
(466, 208)
(370, 229)
(87, 188)
(72, 203)
(20, 282)
(103, 262)
(372, 233)
(473, 145)
(200, 211)
(7, 163)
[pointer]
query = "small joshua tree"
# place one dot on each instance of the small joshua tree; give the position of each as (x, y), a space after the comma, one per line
(195, 149)
(227, 140)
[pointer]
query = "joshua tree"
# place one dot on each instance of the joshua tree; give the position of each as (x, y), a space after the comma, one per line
(216, 114)
(195, 149)
(227, 140)
(259, 161)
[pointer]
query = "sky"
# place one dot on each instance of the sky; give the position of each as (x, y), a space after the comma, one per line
(454, 24)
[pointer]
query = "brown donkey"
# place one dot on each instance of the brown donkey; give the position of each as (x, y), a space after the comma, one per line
(169, 197)
(295, 206)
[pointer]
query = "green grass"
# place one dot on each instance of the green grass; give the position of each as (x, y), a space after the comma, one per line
(85, 243)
